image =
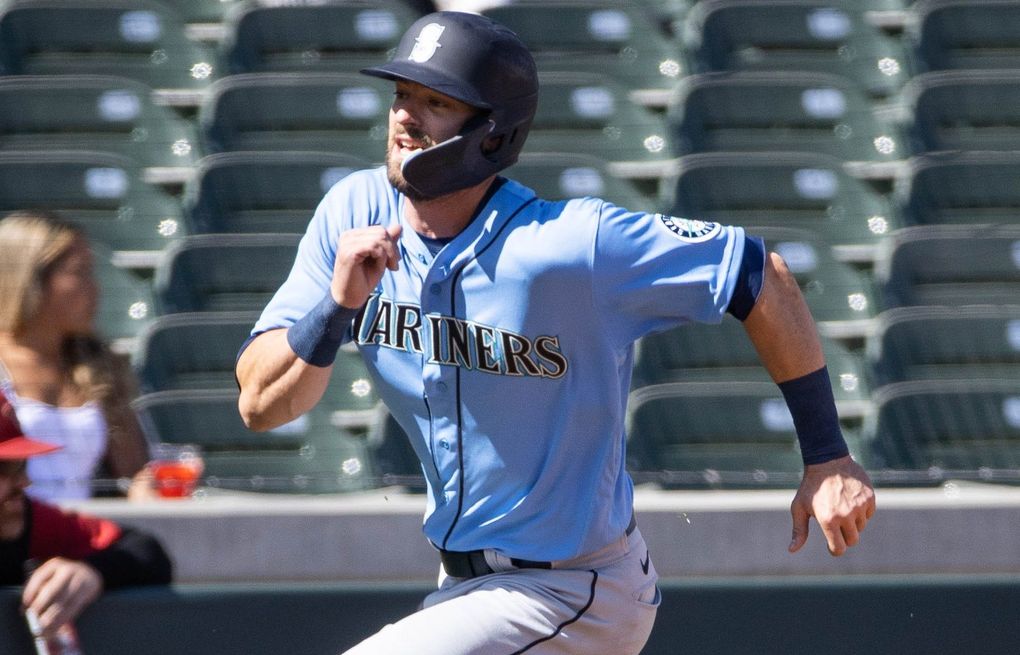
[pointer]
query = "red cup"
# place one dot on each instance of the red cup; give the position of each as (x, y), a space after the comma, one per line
(176, 470)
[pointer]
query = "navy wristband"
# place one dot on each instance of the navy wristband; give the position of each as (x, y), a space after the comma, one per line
(318, 335)
(813, 408)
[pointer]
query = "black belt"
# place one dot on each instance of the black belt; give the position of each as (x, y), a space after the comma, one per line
(471, 564)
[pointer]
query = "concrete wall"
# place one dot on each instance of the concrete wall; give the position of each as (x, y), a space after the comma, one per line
(376, 536)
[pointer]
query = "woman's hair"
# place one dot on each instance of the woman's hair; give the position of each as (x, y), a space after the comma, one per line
(32, 243)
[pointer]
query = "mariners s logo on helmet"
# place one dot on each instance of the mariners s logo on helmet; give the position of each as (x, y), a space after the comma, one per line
(426, 43)
(686, 229)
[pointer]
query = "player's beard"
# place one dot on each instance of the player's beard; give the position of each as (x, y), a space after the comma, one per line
(393, 172)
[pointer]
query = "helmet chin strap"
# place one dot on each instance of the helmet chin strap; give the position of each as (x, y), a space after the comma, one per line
(454, 164)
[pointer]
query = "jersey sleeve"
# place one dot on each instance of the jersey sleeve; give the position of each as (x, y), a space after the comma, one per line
(652, 271)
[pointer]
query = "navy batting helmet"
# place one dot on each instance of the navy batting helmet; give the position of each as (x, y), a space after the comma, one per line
(483, 64)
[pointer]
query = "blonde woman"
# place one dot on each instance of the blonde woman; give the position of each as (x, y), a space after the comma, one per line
(66, 385)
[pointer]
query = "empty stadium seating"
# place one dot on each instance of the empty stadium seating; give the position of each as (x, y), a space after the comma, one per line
(943, 428)
(241, 192)
(951, 265)
(307, 455)
(560, 176)
(966, 34)
(720, 434)
(806, 191)
(965, 110)
(938, 343)
(104, 193)
(792, 110)
(331, 112)
(724, 353)
(801, 35)
(223, 272)
(612, 39)
(961, 188)
(94, 112)
(137, 39)
(337, 35)
(591, 114)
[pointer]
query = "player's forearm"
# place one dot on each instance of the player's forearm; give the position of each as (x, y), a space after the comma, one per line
(276, 385)
(781, 327)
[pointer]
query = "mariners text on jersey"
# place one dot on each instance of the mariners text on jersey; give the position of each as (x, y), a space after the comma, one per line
(452, 341)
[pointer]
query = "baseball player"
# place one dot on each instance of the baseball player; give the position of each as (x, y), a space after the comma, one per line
(498, 328)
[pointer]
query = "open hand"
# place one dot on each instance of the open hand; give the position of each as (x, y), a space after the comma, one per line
(840, 497)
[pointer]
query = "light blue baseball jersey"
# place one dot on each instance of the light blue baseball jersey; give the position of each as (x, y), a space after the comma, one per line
(507, 356)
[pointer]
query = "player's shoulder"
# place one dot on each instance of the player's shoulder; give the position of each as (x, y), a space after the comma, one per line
(360, 198)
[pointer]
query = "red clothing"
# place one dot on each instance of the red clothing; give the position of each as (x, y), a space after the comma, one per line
(56, 533)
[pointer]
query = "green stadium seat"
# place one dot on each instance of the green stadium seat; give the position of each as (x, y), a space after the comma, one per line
(337, 35)
(801, 35)
(942, 429)
(782, 110)
(126, 302)
(393, 456)
(223, 272)
(92, 112)
(240, 192)
(104, 193)
(137, 39)
(591, 114)
(561, 176)
(198, 350)
(966, 34)
(318, 112)
(200, 11)
(805, 191)
(965, 110)
(713, 434)
(951, 265)
(723, 353)
(307, 455)
(598, 36)
(191, 350)
(954, 188)
(842, 299)
(939, 343)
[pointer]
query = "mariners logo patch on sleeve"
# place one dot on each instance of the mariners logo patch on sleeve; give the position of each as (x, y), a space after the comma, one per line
(691, 231)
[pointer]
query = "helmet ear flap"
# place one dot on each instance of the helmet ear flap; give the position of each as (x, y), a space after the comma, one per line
(454, 164)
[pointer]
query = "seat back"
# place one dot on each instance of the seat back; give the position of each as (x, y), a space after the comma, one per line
(337, 35)
(795, 111)
(331, 112)
(957, 188)
(104, 193)
(241, 192)
(961, 343)
(967, 34)
(951, 265)
(965, 110)
(93, 112)
(803, 35)
(711, 434)
(561, 176)
(223, 272)
(613, 38)
(947, 428)
(307, 455)
(723, 353)
(136, 39)
(804, 191)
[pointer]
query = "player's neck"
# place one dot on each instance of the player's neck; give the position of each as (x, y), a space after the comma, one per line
(445, 217)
